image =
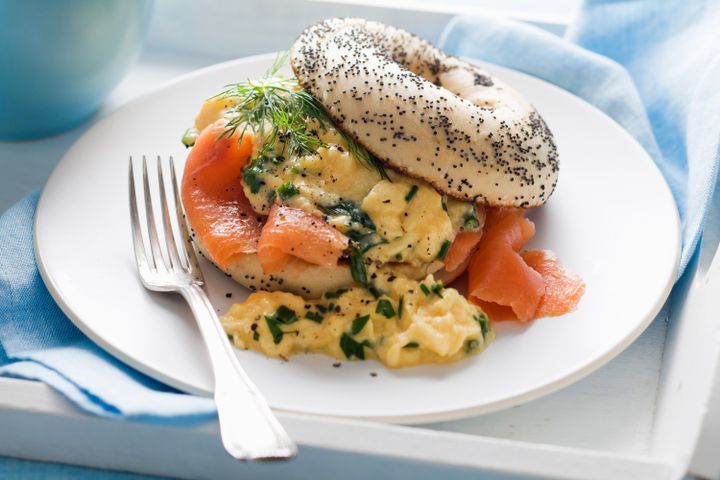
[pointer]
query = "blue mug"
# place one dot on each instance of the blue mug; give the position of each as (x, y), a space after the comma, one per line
(59, 59)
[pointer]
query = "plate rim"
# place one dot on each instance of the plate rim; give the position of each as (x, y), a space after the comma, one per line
(531, 393)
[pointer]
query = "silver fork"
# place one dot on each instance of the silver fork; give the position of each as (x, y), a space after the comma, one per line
(248, 428)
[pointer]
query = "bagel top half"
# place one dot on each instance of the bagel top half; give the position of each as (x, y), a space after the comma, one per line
(428, 114)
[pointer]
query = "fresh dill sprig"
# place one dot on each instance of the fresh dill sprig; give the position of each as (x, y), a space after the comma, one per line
(277, 108)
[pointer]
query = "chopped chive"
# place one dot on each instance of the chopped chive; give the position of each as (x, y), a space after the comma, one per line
(314, 316)
(484, 323)
(275, 331)
(256, 335)
(287, 190)
(385, 308)
(321, 308)
(294, 170)
(351, 348)
(358, 324)
(401, 306)
(285, 315)
(357, 267)
(437, 289)
(398, 256)
(411, 193)
(411, 345)
(271, 196)
(425, 289)
(336, 293)
(444, 250)
(444, 205)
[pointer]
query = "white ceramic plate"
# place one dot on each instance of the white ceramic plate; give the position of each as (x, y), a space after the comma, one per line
(612, 220)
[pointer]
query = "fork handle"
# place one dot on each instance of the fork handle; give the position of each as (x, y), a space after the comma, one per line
(248, 428)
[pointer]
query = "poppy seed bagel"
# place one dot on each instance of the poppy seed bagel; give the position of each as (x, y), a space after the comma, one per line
(428, 114)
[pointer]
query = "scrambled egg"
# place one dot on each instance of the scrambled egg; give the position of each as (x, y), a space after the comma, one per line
(401, 228)
(400, 219)
(414, 323)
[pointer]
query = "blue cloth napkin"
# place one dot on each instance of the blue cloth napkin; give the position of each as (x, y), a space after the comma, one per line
(653, 66)
(37, 341)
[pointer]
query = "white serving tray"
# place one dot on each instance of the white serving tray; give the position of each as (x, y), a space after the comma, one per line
(641, 416)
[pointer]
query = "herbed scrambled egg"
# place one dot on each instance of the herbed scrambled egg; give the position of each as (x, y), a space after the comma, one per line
(412, 323)
(394, 218)
(401, 229)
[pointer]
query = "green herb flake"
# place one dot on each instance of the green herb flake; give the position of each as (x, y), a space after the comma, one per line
(437, 289)
(401, 306)
(411, 345)
(471, 345)
(336, 293)
(357, 267)
(444, 250)
(256, 336)
(314, 316)
(294, 170)
(385, 308)
(251, 177)
(484, 323)
(413, 190)
(274, 328)
(358, 324)
(285, 315)
(471, 222)
(398, 257)
(351, 348)
(287, 190)
(271, 196)
(425, 289)
(321, 308)
(352, 210)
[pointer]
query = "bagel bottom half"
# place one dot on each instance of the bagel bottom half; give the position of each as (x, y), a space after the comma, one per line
(300, 277)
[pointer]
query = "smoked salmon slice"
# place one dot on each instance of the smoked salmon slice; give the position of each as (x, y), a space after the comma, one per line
(213, 197)
(497, 273)
(292, 232)
(562, 289)
(461, 248)
(508, 285)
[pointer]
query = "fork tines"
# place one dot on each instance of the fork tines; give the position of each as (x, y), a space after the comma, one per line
(165, 253)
